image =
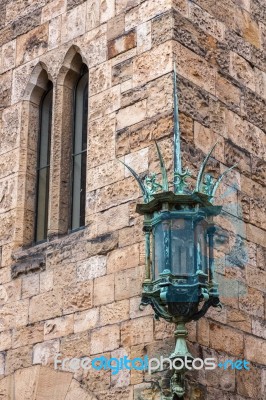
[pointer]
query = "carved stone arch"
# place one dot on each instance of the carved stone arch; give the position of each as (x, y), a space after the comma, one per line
(39, 382)
(67, 79)
(37, 85)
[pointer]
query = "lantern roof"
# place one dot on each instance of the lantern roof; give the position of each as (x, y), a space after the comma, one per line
(155, 193)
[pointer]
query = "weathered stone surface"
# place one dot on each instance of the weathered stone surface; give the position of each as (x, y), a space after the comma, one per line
(226, 339)
(128, 283)
(73, 23)
(145, 12)
(131, 115)
(107, 10)
(255, 349)
(105, 103)
(252, 302)
(18, 358)
(25, 382)
(30, 286)
(137, 331)
(58, 327)
(122, 44)
(45, 306)
(5, 340)
(76, 345)
(53, 9)
(91, 268)
(114, 313)
(206, 21)
(14, 315)
(120, 259)
(104, 288)
(43, 353)
(8, 56)
(32, 44)
(105, 339)
(27, 335)
(86, 320)
(78, 297)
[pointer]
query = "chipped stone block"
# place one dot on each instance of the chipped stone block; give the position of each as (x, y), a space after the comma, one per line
(43, 353)
(91, 268)
(58, 327)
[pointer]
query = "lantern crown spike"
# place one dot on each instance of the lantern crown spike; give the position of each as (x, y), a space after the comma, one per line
(205, 184)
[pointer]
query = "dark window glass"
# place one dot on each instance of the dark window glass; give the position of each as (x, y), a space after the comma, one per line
(80, 153)
(43, 167)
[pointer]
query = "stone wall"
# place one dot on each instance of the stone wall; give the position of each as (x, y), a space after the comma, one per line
(78, 294)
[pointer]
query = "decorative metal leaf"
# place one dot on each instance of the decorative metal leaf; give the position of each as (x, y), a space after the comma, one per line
(219, 180)
(163, 169)
(202, 168)
(138, 179)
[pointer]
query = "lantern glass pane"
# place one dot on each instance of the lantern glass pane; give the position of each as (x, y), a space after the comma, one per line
(182, 247)
(201, 247)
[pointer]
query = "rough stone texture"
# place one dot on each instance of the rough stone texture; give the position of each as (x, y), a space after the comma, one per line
(79, 293)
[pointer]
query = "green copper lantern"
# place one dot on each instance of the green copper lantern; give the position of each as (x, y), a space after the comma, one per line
(179, 229)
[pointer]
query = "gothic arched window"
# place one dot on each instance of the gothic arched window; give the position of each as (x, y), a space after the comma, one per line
(79, 156)
(43, 165)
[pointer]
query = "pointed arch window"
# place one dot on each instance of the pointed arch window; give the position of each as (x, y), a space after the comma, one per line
(79, 156)
(43, 165)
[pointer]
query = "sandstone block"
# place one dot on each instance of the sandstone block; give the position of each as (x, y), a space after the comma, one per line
(25, 382)
(128, 283)
(135, 311)
(113, 219)
(247, 385)
(10, 292)
(96, 51)
(107, 10)
(5, 340)
(58, 327)
(116, 394)
(153, 64)
(100, 78)
(120, 259)
(203, 332)
(206, 21)
(105, 103)
(17, 9)
(144, 37)
(239, 319)
(11, 128)
(115, 27)
(91, 268)
(93, 14)
(54, 37)
(259, 327)
(146, 11)
(18, 358)
(255, 349)
(76, 345)
(138, 161)
(242, 71)
(53, 384)
(104, 290)
(105, 339)
(76, 392)
(14, 315)
(44, 306)
(105, 174)
(86, 320)
(252, 302)
(30, 286)
(226, 339)
(43, 353)
(27, 335)
(131, 115)
(20, 80)
(73, 23)
(122, 44)
(53, 9)
(6, 383)
(114, 313)
(77, 297)
(122, 73)
(8, 56)
(46, 281)
(122, 379)
(137, 331)
(32, 44)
